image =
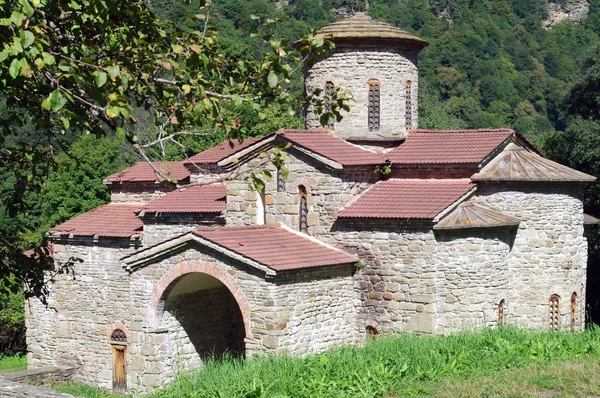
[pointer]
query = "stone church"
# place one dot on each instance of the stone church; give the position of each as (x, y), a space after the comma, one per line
(379, 228)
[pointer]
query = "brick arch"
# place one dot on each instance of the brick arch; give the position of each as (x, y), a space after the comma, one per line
(165, 284)
(117, 325)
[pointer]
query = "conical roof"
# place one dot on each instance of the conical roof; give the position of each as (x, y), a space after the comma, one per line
(470, 215)
(361, 28)
(516, 163)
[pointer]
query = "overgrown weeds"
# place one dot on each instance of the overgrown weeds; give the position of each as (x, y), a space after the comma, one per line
(385, 366)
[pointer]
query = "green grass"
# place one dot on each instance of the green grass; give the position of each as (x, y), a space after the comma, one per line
(12, 364)
(493, 363)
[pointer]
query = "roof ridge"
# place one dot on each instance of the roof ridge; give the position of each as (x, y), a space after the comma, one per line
(237, 227)
(458, 131)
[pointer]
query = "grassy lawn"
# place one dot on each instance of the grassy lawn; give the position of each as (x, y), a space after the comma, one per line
(12, 364)
(493, 363)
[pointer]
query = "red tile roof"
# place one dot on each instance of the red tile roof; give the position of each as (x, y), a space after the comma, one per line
(195, 199)
(448, 146)
(326, 144)
(276, 247)
(220, 152)
(407, 198)
(111, 221)
(143, 172)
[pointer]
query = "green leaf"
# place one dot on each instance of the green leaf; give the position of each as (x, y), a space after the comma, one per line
(113, 71)
(101, 78)
(177, 49)
(27, 38)
(48, 58)
(285, 172)
(26, 7)
(65, 122)
(64, 66)
(237, 100)
(57, 100)
(25, 68)
(112, 111)
(272, 79)
(267, 173)
(17, 18)
(14, 68)
(121, 134)
(186, 88)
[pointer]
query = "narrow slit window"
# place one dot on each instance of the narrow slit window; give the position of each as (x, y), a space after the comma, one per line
(554, 319)
(303, 210)
(374, 108)
(408, 107)
(329, 89)
(280, 181)
(573, 311)
(501, 308)
(260, 208)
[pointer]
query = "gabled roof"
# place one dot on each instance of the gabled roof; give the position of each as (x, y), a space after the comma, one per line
(223, 150)
(109, 221)
(195, 199)
(470, 215)
(516, 163)
(408, 198)
(590, 220)
(449, 146)
(143, 172)
(270, 248)
(322, 145)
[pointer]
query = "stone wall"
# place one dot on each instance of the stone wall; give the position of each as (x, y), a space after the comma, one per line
(163, 226)
(397, 284)
(350, 69)
(315, 309)
(327, 191)
(472, 278)
(549, 254)
(138, 192)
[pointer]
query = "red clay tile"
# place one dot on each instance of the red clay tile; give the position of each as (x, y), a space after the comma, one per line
(143, 172)
(195, 199)
(220, 152)
(448, 146)
(276, 247)
(111, 221)
(407, 198)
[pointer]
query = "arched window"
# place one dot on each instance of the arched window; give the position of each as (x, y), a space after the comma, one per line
(501, 313)
(302, 210)
(329, 89)
(408, 106)
(374, 108)
(573, 310)
(371, 332)
(554, 318)
(118, 340)
(260, 207)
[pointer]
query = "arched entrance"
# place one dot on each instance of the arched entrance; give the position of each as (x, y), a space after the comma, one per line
(203, 312)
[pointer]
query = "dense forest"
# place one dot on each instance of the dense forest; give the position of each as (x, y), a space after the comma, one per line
(490, 63)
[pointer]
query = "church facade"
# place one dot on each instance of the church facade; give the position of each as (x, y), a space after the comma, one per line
(379, 228)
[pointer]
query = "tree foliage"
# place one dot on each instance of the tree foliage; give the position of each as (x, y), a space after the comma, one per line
(73, 67)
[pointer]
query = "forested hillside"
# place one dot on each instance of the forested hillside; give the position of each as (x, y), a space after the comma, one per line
(490, 63)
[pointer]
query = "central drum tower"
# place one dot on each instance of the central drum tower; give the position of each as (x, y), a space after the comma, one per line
(377, 63)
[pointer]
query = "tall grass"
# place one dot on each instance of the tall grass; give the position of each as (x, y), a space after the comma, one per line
(384, 365)
(13, 363)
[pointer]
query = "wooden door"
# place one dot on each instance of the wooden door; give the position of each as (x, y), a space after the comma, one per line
(119, 376)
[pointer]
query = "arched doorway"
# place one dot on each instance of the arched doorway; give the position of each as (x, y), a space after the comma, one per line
(202, 317)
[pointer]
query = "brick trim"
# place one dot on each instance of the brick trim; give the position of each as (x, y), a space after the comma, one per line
(164, 285)
(118, 325)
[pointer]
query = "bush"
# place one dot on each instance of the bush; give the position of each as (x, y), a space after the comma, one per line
(12, 323)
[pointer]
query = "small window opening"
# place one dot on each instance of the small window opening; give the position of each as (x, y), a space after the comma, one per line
(408, 107)
(501, 313)
(371, 332)
(329, 89)
(280, 181)
(573, 311)
(118, 341)
(374, 105)
(303, 210)
(260, 207)
(554, 319)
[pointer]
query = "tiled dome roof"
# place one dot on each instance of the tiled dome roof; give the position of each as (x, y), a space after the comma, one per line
(362, 28)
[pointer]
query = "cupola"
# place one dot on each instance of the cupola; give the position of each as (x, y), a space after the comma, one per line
(377, 63)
